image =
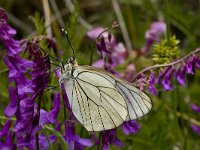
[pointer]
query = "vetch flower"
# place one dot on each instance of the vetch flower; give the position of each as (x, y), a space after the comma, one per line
(181, 74)
(155, 30)
(7, 144)
(153, 35)
(109, 138)
(162, 74)
(114, 53)
(4, 130)
(166, 81)
(99, 63)
(50, 117)
(130, 71)
(195, 128)
(11, 109)
(95, 32)
(101, 45)
(151, 87)
(17, 66)
(6, 35)
(3, 14)
(24, 85)
(190, 66)
(118, 54)
(129, 127)
(195, 108)
(73, 140)
(198, 63)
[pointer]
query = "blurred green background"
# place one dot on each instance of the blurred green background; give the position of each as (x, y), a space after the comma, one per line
(167, 126)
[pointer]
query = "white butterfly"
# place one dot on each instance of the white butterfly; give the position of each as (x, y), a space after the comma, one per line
(99, 100)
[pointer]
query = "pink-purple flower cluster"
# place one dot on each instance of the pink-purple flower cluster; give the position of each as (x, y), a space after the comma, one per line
(27, 81)
(112, 53)
(177, 70)
(195, 128)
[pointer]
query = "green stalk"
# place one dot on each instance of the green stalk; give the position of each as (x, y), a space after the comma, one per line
(167, 21)
(47, 138)
(38, 113)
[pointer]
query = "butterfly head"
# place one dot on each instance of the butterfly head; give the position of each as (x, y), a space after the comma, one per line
(68, 69)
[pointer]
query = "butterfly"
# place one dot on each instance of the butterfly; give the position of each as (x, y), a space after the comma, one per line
(99, 100)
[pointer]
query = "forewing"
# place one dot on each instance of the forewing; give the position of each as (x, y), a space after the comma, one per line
(138, 102)
(95, 101)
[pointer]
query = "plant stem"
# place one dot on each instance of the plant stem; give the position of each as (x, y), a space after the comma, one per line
(38, 114)
(4, 70)
(100, 141)
(167, 21)
(122, 25)
(165, 65)
(5, 118)
(47, 17)
(57, 13)
(47, 138)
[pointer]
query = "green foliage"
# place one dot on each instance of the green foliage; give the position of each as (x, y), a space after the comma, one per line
(166, 51)
(50, 131)
(39, 23)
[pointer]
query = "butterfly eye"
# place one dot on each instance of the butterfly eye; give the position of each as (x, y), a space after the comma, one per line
(71, 60)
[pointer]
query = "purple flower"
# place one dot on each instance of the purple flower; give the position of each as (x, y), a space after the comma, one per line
(155, 30)
(118, 54)
(101, 45)
(6, 35)
(109, 138)
(130, 71)
(162, 74)
(153, 34)
(50, 117)
(198, 63)
(99, 63)
(151, 87)
(11, 109)
(195, 128)
(129, 127)
(115, 53)
(31, 144)
(141, 81)
(166, 81)
(195, 108)
(24, 85)
(17, 66)
(190, 66)
(73, 140)
(3, 14)
(95, 32)
(5, 128)
(180, 75)
(7, 144)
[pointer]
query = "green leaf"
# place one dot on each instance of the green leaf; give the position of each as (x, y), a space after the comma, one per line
(58, 135)
(39, 23)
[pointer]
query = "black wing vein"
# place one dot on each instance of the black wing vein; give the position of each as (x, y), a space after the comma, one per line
(79, 106)
(127, 99)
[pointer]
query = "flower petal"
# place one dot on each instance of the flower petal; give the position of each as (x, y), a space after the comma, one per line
(4, 130)
(12, 107)
(180, 75)
(151, 87)
(129, 127)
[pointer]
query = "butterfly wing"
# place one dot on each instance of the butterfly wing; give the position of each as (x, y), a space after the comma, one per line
(95, 101)
(138, 103)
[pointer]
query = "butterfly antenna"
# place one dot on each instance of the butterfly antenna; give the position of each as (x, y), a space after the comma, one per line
(66, 34)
